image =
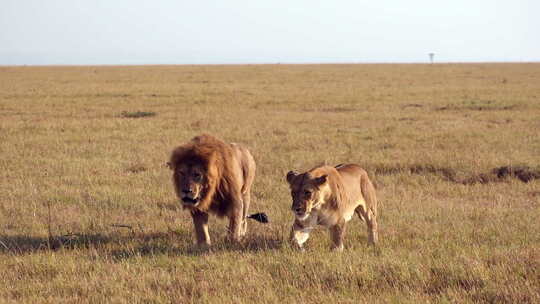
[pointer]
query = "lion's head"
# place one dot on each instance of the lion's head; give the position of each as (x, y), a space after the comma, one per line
(191, 182)
(307, 192)
(195, 174)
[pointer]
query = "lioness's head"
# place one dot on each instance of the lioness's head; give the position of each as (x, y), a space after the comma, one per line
(307, 192)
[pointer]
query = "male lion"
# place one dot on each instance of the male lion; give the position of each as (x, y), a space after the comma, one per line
(211, 176)
(329, 196)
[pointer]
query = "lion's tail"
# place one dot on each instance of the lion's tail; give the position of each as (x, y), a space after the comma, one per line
(368, 191)
(259, 217)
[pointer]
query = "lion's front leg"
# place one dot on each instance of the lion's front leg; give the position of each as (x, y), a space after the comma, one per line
(299, 235)
(337, 233)
(200, 221)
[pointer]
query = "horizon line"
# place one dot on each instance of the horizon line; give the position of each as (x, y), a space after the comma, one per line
(263, 63)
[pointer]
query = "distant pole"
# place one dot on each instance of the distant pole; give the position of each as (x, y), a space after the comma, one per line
(431, 55)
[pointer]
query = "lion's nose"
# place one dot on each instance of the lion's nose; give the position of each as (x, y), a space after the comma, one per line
(187, 191)
(298, 210)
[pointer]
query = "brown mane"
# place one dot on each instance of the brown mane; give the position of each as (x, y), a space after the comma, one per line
(338, 195)
(215, 156)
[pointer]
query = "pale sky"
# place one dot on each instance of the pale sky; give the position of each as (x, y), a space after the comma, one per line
(285, 31)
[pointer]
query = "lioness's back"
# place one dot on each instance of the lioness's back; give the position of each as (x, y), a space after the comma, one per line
(351, 175)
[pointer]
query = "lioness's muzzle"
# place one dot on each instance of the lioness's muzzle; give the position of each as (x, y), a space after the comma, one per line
(299, 212)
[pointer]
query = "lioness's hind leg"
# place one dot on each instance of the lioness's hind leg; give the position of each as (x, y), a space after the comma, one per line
(371, 221)
(373, 234)
(370, 211)
(360, 211)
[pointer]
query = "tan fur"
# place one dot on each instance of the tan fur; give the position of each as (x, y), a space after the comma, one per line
(213, 177)
(329, 196)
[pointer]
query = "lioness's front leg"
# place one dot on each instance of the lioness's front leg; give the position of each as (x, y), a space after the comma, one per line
(200, 221)
(337, 233)
(299, 235)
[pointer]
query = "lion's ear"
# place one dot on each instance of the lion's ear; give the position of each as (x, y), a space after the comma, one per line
(321, 179)
(290, 176)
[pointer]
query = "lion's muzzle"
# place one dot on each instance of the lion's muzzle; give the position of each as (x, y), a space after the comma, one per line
(188, 197)
(190, 201)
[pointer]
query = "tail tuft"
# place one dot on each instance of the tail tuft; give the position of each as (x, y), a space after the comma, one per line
(259, 217)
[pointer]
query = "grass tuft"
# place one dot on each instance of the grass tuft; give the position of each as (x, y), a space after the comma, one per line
(137, 114)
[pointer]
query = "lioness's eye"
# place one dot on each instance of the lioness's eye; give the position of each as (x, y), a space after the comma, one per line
(307, 192)
(197, 176)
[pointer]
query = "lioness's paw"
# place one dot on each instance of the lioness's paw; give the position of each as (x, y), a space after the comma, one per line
(338, 248)
(297, 247)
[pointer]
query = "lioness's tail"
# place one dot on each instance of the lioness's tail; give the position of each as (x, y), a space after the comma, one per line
(259, 217)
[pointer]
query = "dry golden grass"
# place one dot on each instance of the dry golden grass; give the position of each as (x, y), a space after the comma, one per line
(79, 141)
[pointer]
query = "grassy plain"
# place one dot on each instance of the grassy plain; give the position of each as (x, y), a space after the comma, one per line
(452, 230)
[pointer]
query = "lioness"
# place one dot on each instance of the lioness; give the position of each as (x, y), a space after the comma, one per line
(329, 196)
(211, 176)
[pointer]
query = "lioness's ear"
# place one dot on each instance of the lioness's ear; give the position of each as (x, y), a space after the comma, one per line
(290, 176)
(321, 180)
(170, 165)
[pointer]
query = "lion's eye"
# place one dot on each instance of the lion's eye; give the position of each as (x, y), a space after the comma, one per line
(307, 193)
(197, 176)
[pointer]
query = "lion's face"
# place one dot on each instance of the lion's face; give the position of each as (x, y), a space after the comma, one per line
(307, 193)
(190, 180)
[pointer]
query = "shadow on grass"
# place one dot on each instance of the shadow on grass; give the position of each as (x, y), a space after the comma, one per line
(162, 245)
(122, 246)
(22, 244)
(498, 174)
